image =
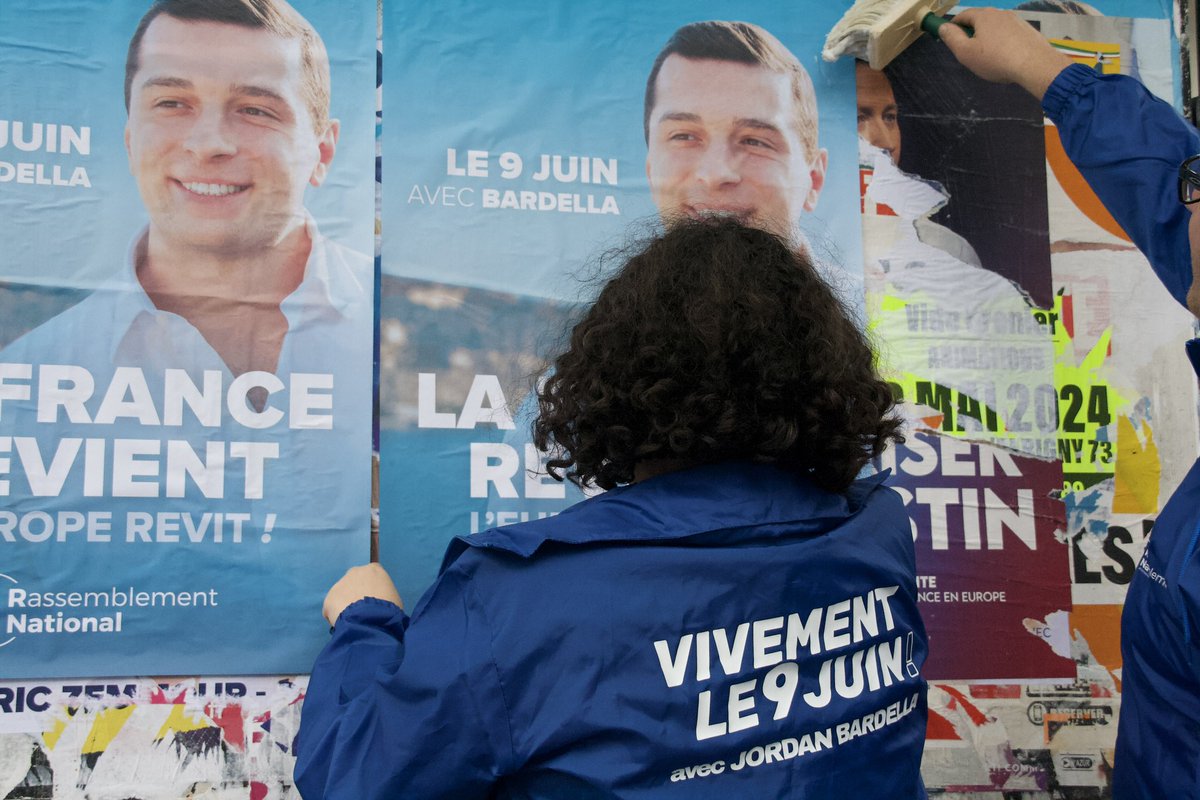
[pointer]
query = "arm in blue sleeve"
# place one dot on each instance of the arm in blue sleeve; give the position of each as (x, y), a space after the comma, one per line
(1188, 584)
(400, 707)
(1128, 144)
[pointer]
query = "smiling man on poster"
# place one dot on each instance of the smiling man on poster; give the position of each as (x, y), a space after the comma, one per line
(206, 414)
(731, 128)
(227, 126)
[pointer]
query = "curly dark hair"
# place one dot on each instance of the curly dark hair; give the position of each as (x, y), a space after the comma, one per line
(715, 341)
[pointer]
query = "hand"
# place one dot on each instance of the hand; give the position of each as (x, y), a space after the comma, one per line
(1005, 49)
(369, 580)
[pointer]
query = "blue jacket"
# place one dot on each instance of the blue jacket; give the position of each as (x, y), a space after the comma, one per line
(725, 631)
(1128, 145)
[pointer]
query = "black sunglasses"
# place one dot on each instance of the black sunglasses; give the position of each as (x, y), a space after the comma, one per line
(1189, 181)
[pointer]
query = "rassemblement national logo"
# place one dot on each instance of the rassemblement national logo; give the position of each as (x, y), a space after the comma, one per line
(29, 611)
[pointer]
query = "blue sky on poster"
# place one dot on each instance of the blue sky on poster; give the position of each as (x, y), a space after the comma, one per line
(69, 70)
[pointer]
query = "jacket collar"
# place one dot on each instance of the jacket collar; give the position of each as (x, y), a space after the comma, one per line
(715, 501)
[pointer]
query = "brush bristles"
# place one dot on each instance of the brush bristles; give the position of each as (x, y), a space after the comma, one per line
(876, 31)
(852, 32)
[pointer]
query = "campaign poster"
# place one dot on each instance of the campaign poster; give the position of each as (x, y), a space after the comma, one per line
(517, 146)
(992, 576)
(957, 262)
(186, 317)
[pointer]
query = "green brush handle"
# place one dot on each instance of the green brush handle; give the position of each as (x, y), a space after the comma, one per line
(932, 22)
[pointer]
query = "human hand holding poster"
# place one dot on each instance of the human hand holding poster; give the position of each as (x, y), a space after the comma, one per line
(185, 444)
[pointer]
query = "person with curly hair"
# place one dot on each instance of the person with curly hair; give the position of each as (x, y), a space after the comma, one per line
(735, 616)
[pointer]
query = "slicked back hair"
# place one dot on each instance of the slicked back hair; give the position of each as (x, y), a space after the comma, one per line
(274, 16)
(741, 43)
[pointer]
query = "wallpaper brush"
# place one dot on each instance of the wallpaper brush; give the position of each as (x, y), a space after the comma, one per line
(877, 31)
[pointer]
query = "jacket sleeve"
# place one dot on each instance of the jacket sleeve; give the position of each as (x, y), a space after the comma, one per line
(400, 707)
(1129, 144)
(1187, 584)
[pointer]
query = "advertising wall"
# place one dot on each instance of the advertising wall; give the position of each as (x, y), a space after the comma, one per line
(186, 413)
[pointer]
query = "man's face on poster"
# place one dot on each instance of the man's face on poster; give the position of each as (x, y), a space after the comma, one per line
(723, 139)
(878, 120)
(219, 138)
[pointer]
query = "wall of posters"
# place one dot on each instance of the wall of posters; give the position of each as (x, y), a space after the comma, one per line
(184, 454)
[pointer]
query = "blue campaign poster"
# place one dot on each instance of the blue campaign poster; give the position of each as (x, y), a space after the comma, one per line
(516, 146)
(186, 308)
